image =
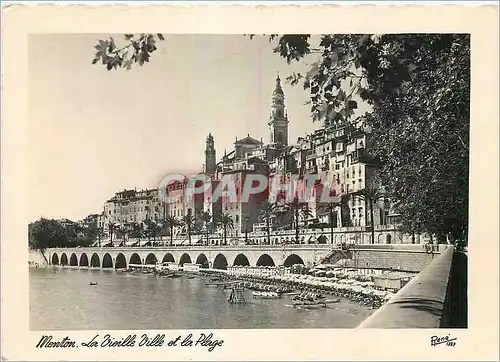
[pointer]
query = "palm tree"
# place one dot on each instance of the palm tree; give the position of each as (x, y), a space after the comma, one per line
(154, 227)
(206, 218)
(121, 231)
(111, 228)
(171, 222)
(246, 221)
(226, 221)
(305, 214)
(148, 227)
(138, 231)
(370, 194)
(333, 220)
(100, 234)
(295, 207)
(189, 221)
(79, 230)
(266, 212)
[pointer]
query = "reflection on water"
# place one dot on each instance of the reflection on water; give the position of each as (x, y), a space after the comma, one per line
(62, 299)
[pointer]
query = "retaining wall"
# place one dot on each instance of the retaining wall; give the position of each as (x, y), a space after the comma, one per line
(428, 300)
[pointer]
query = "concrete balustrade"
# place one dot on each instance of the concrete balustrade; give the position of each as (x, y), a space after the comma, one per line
(429, 300)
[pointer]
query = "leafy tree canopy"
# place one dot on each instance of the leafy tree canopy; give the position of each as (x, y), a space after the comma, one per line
(48, 233)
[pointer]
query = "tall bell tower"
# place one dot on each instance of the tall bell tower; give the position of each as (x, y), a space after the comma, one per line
(278, 120)
(210, 160)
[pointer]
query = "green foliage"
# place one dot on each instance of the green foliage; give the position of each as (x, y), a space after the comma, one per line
(137, 230)
(305, 213)
(171, 222)
(137, 49)
(48, 233)
(227, 222)
(189, 222)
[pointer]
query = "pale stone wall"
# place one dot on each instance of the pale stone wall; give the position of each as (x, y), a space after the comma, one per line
(36, 257)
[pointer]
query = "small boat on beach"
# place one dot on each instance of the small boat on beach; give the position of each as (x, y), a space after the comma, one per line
(314, 303)
(265, 295)
(172, 275)
(223, 284)
(93, 283)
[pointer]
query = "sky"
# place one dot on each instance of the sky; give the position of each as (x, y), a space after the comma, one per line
(94, 132)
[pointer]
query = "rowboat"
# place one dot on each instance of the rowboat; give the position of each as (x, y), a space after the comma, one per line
(266, 295)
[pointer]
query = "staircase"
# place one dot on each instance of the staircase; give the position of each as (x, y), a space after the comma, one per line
(336, 254)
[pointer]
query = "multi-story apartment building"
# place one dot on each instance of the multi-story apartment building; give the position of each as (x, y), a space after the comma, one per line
(132, 206)
(181, 203)
(244, 212)
(340, 159)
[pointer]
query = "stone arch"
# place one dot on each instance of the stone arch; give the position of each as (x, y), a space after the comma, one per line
(135, 259)
(151, 259)
(64, 259)
(241, 260)
(220, 262)
(379, 238)
(388, 239)
(202, 261)
(95, 262)
(55, 259)
(120, 262)
(84, 260)
(73, 260)
(185, 258)
(107, 261)
(168, 258)
(293, 259)
(265, 260)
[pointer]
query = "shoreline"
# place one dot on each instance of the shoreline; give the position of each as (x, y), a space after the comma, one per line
(368, 298)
